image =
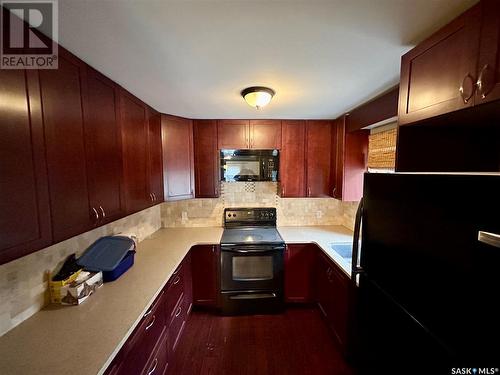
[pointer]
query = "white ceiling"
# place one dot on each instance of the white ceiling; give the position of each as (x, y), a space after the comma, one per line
(192, 58)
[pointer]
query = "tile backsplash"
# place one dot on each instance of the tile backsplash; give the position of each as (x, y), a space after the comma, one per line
(291, 211)
(23, 282)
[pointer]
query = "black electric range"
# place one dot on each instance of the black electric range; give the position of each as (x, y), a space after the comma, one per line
(251, 262)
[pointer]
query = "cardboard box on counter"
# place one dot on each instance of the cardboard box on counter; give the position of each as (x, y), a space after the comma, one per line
(78, 290)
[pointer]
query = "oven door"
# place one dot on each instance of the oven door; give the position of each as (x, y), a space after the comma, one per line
(248, 267)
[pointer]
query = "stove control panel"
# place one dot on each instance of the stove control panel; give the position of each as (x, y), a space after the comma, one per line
(250, 216)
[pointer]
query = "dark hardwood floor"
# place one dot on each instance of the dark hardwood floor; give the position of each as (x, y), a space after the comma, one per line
(295, 342)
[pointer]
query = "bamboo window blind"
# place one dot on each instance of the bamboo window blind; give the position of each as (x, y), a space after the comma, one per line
(382, 149)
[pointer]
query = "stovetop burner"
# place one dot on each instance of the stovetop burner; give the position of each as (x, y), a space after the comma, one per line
(251, 236)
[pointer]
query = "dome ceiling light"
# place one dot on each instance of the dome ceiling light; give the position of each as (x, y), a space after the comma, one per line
(257, 96)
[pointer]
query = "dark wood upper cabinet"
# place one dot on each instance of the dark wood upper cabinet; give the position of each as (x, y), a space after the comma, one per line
(65, 147)
(318, 158)
(349, 161)
(178, 163)
(233, 134)
(204, 275)
(488, 82)
(439, 75)
(292, 159)
(103, 145)
(265, 134)
(24, 199)
(241, 134)
(155, 162)
(206, 159)
(134, 124)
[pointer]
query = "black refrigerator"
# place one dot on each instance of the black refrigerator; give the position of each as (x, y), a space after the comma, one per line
(427, 273)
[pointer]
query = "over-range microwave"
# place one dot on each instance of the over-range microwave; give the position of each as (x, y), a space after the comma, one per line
(249, 165)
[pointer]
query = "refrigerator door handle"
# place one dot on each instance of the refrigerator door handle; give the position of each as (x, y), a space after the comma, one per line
(356, 268)
(488, 238)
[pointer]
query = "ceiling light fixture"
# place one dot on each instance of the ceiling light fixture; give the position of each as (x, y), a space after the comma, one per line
(257, 96)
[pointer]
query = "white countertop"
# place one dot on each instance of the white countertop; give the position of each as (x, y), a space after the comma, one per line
(323, 236)
(84, 339)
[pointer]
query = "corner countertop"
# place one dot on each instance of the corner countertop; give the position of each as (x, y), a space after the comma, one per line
(82, 340)
(323, 236)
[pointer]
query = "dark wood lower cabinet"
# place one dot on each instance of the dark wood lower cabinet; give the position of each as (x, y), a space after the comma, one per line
(151, 346)
(333, 298)
(310, 276)
(299, 272)
(204, 269)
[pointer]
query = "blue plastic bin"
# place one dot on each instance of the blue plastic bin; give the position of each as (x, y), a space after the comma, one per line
(113, 255)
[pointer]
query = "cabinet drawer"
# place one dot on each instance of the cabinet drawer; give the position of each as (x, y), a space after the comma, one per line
(174, 292)
(158, 361)
(177, 324)
(140, 345)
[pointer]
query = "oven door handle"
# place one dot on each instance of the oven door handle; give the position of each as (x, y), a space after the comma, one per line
(255, 250)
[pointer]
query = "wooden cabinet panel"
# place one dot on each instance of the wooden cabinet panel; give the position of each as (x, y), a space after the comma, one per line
(292, 159)
(318, 158)
(204, 270)
(333, 297)
(299, 272)
(103, 145)
(265, 134)
(349, 161)
(438, 76)
(206, 159)
(488, 83)
(155, 162)
(178, 163)
(233, 134)
(133, 115)
(65, 148)
(24, 201)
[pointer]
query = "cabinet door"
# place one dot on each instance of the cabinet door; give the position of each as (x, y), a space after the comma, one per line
(233, 134)
(439, 75)
(204, 272)
(155, 162)
(178, 164)
(292, 159)
(318, 146)
(206, 159)
(24, 201)
(65, 148)
(488, 83)
(323, 293)
(103, 144)
(339, 290)
(134, 142)
(265, 134)
(299, 271)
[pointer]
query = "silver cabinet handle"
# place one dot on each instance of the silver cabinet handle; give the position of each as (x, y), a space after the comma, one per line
(154, 196)
(154, 367)
(151, 324)
(96, 214)
(151, 197)
(483, 85)
(103, 213)
(467, 93)
(488, 238)
(178, 312)
(308, 191)
(177, 279)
